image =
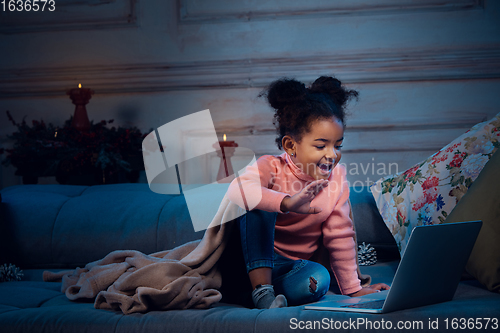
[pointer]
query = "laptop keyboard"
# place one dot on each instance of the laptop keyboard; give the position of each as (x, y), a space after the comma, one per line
(367, 305)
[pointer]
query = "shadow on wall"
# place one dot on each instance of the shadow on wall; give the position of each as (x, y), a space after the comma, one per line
(128, 115)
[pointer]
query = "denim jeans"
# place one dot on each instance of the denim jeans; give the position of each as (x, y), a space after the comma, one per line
(301, 281)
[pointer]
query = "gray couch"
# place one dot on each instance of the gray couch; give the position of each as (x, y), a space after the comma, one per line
(54, 227)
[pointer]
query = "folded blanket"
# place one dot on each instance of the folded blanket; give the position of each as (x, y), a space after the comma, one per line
(130, 281)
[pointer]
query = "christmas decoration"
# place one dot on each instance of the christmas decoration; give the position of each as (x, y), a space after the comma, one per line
(46, 150)
(366, 255)
(10, 272)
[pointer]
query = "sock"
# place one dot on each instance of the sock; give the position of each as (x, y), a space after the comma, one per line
(279, 302)
(263, 298)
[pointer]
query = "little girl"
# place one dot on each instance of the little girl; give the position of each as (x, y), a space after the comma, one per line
(304, 200)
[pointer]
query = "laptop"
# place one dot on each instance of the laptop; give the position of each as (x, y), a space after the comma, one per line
(428, 273)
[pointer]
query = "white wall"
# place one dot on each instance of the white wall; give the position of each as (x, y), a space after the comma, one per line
(426, 70)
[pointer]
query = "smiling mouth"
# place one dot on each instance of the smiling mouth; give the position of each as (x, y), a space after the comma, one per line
(325, 168)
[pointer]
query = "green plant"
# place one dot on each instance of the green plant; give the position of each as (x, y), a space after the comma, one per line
(44, 149)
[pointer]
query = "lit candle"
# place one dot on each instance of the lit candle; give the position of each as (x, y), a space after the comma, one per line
(224, 143)
(226, 151)
(80, 97)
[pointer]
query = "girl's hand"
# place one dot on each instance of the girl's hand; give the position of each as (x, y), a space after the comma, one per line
(370, 289)
(301, 202)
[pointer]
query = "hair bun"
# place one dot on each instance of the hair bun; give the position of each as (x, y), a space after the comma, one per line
(284, 92)
(333, 88)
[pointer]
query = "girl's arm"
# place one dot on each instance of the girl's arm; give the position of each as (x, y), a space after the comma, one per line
(338, 238)
(254, 186)
(301, 202)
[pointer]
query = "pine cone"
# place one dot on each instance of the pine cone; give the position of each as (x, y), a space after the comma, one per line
(366, 255)
(10, 272)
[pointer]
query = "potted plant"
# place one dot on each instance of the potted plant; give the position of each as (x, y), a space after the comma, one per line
(101, 155)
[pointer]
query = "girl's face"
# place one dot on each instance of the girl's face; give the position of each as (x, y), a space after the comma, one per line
(319, 150)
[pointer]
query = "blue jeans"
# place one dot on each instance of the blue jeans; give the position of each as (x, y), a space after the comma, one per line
(301, 281)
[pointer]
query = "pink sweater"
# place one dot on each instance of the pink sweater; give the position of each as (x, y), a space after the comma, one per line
(297, 236)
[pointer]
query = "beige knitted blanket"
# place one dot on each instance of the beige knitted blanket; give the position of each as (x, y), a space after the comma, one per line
(130, 281)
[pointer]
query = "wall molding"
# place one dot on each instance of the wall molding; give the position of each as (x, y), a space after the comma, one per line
(367, 67)
(72, 15)
(462, 122)
(189, 12)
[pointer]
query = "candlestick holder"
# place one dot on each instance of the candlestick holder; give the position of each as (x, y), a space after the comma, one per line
(80, 97)
(227, 148)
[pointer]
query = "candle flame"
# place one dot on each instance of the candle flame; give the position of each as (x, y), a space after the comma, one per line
(79, 85)
(224, 137)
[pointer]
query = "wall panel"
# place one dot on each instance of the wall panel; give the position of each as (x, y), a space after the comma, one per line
(426, 70)
(67, 15)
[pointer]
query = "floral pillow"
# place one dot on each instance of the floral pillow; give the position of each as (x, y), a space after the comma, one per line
(428, 192)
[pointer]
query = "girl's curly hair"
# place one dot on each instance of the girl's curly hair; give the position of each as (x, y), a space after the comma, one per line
(297, 106)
